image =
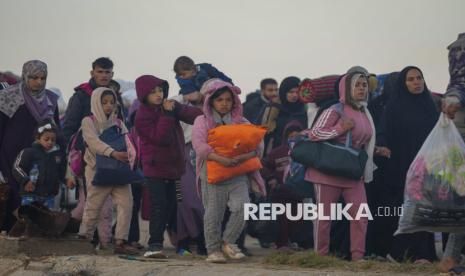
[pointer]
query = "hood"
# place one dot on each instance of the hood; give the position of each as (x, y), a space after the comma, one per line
(101, 120)
(293, 125)
(345, 91)
(209, 88)
(358, 69)
(286, 85)
(146, 83)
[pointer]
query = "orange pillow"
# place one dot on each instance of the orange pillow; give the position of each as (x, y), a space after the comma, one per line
(231, 141)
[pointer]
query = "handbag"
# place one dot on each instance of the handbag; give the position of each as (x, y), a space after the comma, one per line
(109, 171)
(332, 158)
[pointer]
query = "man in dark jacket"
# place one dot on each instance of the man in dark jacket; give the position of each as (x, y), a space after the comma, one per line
(79, 103)
(262, 108)
(79, 107)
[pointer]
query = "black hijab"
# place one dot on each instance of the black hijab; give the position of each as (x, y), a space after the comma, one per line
(407, 121)
(288, 111)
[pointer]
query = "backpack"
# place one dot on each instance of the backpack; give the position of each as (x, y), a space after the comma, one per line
(75, 151)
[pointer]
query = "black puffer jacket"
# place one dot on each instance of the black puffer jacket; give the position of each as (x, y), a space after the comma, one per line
(51, 165)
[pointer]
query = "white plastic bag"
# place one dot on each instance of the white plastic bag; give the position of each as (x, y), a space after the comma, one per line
(434, 196)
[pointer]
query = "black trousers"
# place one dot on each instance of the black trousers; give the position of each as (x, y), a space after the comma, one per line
(162, 209)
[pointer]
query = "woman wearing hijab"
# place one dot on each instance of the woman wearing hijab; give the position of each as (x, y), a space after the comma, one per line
(22, 107)
(334, 123)
(406, 123)
(290, 109)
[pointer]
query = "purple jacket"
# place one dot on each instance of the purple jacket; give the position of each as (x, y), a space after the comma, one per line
(204, 123)
(162, 138)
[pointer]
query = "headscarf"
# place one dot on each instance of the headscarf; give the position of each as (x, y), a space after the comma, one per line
(347, 92)
(41, 104)
(285, 86)
(409, 118)
(101, 121)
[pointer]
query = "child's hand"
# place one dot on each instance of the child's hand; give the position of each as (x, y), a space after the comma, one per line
(228, 162)
(70, 183)
(29, 187)
(244, 157)
(120, 156)
(168, 105)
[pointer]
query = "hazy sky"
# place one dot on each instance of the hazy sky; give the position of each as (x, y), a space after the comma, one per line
(247, 39)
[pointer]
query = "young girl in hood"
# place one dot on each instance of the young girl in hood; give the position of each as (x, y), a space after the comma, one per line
(222, 106)
(162, 153)
(333, 124)
(104, 107)
(40, 168)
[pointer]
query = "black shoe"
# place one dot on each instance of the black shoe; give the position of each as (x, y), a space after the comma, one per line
(245, 251)
(264, 244)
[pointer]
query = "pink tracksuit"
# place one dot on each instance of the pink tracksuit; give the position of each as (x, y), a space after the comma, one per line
(328, 188)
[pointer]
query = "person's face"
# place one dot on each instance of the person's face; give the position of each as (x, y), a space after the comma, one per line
(223, 104)
(293, 95)
(292, 135)
(156, 96)
(187, 74)
(194, 97)
(360, 89)
(270, 91)
(108, 104)
(36, 82)
(47, 140)
(414, 81)
(102, 76)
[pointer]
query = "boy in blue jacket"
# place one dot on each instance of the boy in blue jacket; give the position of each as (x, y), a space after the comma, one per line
(191, 77)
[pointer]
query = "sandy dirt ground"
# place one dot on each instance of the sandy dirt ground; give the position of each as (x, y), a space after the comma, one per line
(105, 263)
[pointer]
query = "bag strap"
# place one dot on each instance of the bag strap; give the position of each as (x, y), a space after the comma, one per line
(340, 110)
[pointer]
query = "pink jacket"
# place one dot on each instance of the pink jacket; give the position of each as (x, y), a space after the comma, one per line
(329, 127)
(203, 124)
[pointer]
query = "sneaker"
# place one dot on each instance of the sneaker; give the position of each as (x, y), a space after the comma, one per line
(246, 251)
(125, 249)
(422, 261)
(155, 252)
(232, 251)
(184, 252)
(216, 258)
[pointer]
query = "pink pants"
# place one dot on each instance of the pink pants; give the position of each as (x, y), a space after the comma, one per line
(105, 221)
(326, 195)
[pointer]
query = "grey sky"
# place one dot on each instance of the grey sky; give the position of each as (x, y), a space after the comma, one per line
(248, 40)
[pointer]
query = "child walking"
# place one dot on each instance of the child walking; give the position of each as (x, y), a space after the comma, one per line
(103, 108)
(162, 153)
(222, 106)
